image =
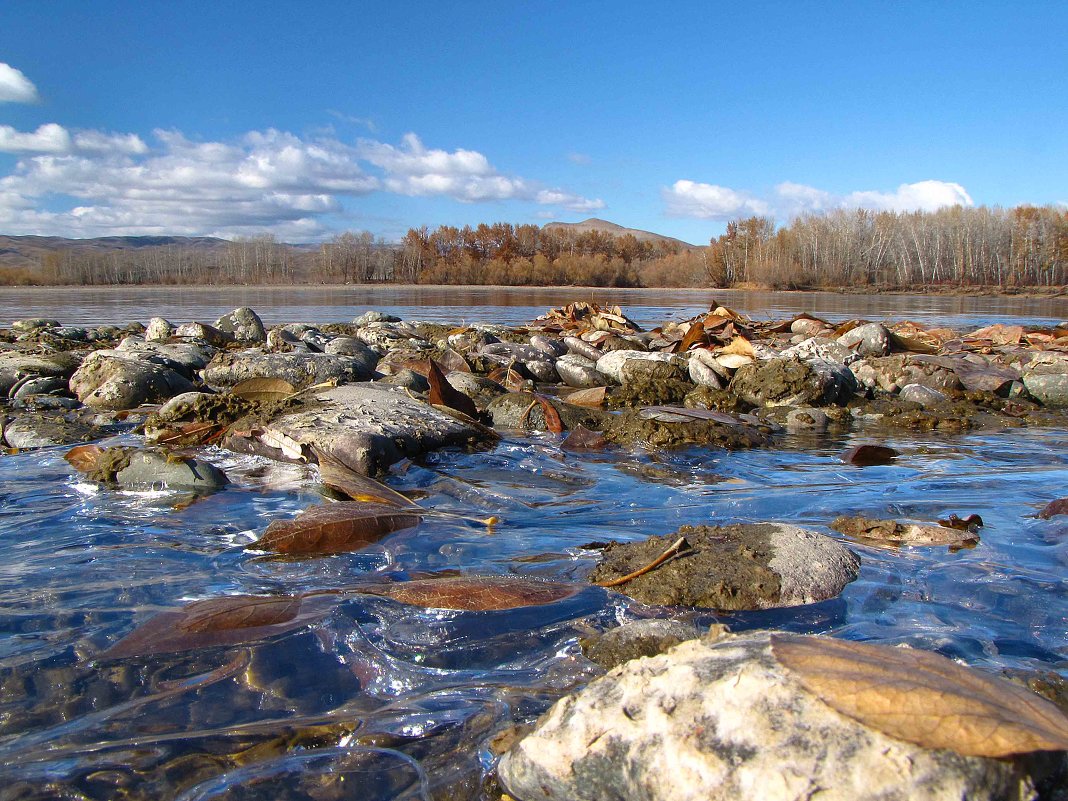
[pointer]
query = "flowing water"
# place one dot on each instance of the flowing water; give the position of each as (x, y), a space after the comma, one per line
(373, 699)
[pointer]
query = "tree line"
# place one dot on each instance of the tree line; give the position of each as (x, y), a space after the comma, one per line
(1025, 246)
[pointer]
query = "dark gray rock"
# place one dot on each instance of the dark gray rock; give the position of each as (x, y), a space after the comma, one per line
(33, 430)
(375, 317)
(478, 388)
(407, 379)
(162, 471)
(636, 639)
(553, 348)
(16, 367)
(925, 396)
(29, 387)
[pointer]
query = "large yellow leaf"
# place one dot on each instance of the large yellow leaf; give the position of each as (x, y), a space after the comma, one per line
(923, 698)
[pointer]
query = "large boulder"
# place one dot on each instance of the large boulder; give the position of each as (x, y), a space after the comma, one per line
(244, 324)
(299, 369)
(368, 427)
(791, 382)
(1048, 389)
(870, 339)
(34, 430)
(722, 721)
(114, 380)
(14, 367)
(620, 365)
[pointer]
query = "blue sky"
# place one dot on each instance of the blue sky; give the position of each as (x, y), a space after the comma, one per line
(304, 119)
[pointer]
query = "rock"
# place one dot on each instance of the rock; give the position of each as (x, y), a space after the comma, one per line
(478, 388)
(1046, 363)
(33, 324)
(789, 382)
(111, 379)
(177, 407)
(383, 336)
(582, 348)
(40, 431)
(213, 336)
(723, 721)
(407, 379)
(15, 367)
(666, 428)
(542, 370)
(636, 639)
(870, 339)
(243, 324)
(351, 346)
(182, 357)
(705, 370)
(375, 317)
(613, 365)
(806, 419)
(890, 373)
(28, 387)
(821, 348)
(925, 396)
(578, 371)
(553, 348)
(1048, 389)
(299, 369)
(158, 330)
(747, 566)
(521, 411)
(368, 427)
(132, 467)
(808, 327)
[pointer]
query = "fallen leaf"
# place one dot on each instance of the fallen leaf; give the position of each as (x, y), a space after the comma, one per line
(442, 393)
(474, 593)
(695, 336)
(84, 458)
(902, 533)
(971, 523)
(289, 447)
(553, 423)
(998, 334)
(740, 346)
(923, 698)
(592, 397)
(868, 455)
(1051, 509)
(233, 620)
(263, 389)
(335, 528)
(678, 414)
(356, 486)
(581, 438)
(185, 435)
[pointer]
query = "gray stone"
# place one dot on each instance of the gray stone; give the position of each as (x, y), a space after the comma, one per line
(350, 346)
(1048, 389)
(183, 357)
(870, 339)
(299, 369)
(582, 348)
(925, 396)
(370, 426)
(111, 379)
(578, 371)
(890, 373)
(808, 327)
(522, 411)
(790, 382)
(207, 333)
(49, 385)
(478, 388)
(636, 639)
(725, 721)
(33, 430)
(806, 419)
(375, 317)
(383, 336)
(15, 367)
(612, 364)
(178, 406)
(542, 370)
(33, 324)
(159, 330)
(553, 348)
(407, 379)
(244, 324)
(820, 348)
(161, 471)
(704, 369)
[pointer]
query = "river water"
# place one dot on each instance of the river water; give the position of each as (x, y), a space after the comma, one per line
(377, 700)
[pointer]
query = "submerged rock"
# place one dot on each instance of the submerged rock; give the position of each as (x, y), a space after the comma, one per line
(724, 721)
(636, 639)
(661, 427)
(41, 431)
(747, 566)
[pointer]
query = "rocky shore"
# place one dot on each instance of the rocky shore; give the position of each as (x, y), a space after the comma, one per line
(680, 713)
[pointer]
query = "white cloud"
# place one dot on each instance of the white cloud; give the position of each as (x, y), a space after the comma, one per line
(100, 142)
(710, 202)
(49, 138)
(581, 159)
(788, 200)
(16, 87)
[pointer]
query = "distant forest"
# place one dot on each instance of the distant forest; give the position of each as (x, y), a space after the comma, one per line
(1026, 246)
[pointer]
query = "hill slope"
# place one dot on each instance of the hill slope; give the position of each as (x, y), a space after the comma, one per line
(595, 224)
(28, 251)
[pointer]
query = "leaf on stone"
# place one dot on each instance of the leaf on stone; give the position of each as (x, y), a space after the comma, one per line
(592, 397)
(263, 389)
(553, 422)
(186, 435)
(678, 414)
(739, 346)
(1051, 509)
(84, 458)
(581, 438)
(923, 698)
(451, 361)
(868, 455)
(289, 447)
(335, 528)
(998, 334)
(442, 393)
(695, 336)
(336, 475)
(971, 523)
(903, 533)
(475, 593)
(233, 620)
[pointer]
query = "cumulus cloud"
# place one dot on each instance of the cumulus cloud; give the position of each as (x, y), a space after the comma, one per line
(16, 87)
(263, 181)
(789, 200)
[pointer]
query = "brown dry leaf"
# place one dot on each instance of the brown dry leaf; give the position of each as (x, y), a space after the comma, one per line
(695, 336)
(868, 455)
(442, 393)
(1051, 509)
(289, 447)
(999, 334)
(581, 438)
(233, 620)
(923, 698)
(451, 361)
(263, 389)
(184, 435)
(903, 533)
(84, 458)
(356, 486)
(474, 593)
(740, 346)
(678, 414)
(335, 528)
(592, 397)
(972, 522)
(553, 422)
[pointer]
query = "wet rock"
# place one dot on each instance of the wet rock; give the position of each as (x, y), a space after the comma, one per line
(480, 389)
(243, 324)
(158, 330)
(41, 431)
(179, 407)
(870, 339)
(656, 428)
(553, 348)
(522, 411)
(133, 467)
(368, 427)
(372, 316)
(299, 369)
(723, 721)
(279, 340)
(28, 387)
(578, 371)
(207, 333)
(1049, 390)
(351, 346)
(581, 348)
(614, 365)
(15, 367)
(636, 639)
(790, 382)
(407, 379)
(111, 379)
(749, 566)
(704, 370)
(890, 373)
(824, 348)
(806, 419)
(45, 403)
(655, 390)
(925, 396)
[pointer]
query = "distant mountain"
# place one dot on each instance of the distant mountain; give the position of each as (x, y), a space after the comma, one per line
(595, 224)
(28, 251)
